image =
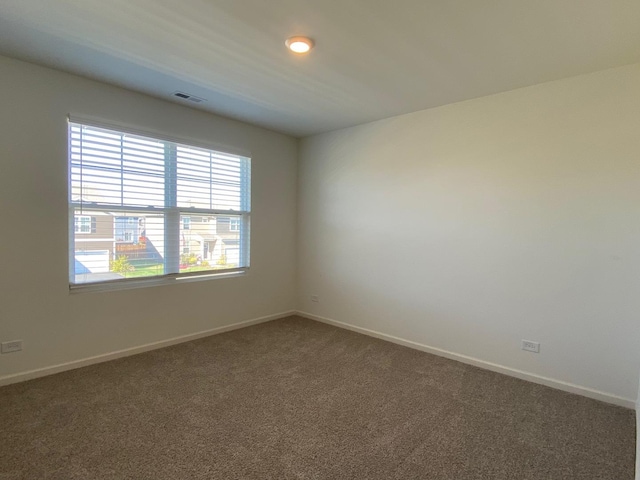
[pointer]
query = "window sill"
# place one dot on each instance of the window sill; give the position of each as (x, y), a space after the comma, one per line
(129, 284)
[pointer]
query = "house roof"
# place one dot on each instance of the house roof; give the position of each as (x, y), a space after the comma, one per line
(372, 60)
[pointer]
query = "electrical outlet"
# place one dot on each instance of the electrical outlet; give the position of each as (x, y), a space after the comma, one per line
(10, 347)
(530, 346)
(315, 298)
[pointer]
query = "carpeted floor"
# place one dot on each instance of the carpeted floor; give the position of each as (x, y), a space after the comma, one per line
(296, 399)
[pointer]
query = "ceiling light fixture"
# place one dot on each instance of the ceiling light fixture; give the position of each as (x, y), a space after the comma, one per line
(299, 45)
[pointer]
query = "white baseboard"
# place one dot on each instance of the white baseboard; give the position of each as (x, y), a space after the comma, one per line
(531, 377)
(41, 372)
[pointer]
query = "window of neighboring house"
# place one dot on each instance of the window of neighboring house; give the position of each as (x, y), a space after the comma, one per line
(149, 189)
(82, 224)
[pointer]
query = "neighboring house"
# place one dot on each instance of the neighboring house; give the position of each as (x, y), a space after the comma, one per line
(130, 238)
(228, 229)
(127, 230)
(102, 236)
(140, 239)
(94, 242)
(212, 239)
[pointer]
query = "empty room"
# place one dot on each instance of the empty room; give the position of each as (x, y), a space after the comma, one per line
(284, 239)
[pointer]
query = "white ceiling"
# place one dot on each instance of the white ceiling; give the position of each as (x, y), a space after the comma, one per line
(373, 58)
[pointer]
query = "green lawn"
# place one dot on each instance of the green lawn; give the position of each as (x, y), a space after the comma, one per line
(146, 271)
(158, 269)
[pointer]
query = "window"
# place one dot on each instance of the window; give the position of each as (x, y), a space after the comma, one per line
(82, 224)
(159, 205)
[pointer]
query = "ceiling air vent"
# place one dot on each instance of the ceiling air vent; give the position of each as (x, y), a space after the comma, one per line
(190, 98)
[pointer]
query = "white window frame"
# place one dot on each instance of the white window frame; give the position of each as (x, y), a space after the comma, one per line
(172, 214)
(234, 224)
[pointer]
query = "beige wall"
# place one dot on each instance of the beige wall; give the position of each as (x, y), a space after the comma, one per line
(35, 304)
(472, 226)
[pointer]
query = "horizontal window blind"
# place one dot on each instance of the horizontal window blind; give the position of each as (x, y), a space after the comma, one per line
(147, 207)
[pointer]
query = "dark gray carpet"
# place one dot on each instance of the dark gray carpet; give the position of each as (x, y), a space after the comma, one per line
(296, 399)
